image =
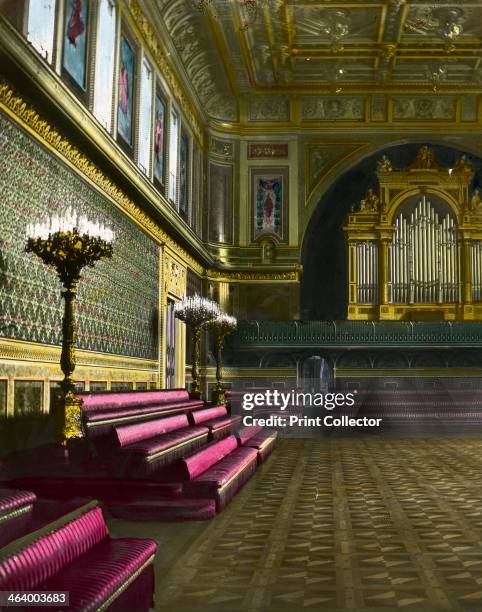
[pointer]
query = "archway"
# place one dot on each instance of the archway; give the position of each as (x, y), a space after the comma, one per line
(323, 292)
(315, 374)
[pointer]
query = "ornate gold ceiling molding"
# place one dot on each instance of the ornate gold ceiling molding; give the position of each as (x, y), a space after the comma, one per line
(294, 47)
(323, 157)
(203, 55)
(26, 116)
(153, 44)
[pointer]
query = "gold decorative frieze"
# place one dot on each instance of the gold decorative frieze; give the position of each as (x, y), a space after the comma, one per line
(21, 351)
(333, 108)
(269, 108)
(222, 148)
(226, 276)
(27, 116)
(424, 108)
(268, 150)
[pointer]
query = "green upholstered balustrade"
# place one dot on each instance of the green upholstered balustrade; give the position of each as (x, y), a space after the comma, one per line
(302, 334)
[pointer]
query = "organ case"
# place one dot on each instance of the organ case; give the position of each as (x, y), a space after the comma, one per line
(415, 245)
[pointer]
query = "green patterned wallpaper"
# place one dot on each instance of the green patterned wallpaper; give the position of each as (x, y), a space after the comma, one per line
(117, 309)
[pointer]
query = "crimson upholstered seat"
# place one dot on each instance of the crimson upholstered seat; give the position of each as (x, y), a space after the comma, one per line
(245, 433)
(15, 512)
(218, 420)
(102, 411)
(224, 478)
(76, 554)
(109, 399)
(101, 573)
(158, 444)
(264, 442)
(150, 445)
(191, 466)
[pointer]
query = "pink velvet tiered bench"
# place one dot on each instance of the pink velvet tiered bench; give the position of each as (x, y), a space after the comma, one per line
(102, 411)
(263, 440)
(76, 554)
(217, 471)
(148, 446)
(217, 419)
(153, 455)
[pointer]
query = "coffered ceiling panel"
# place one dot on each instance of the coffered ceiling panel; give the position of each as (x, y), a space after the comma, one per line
(234, 50)
(312, 26)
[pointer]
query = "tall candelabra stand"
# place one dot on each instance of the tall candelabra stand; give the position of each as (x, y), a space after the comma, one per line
(68, 244)
(195, 311)
(223, 325)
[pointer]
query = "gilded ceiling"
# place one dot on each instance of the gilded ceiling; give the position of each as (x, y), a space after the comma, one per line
(235, 50)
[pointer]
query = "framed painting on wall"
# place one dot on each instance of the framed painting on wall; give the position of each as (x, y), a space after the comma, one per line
(159, 140)
(269, 196)
(74, 58)
(125, 105)
(183, 176)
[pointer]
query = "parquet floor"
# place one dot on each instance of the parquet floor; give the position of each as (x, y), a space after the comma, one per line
(360, 524)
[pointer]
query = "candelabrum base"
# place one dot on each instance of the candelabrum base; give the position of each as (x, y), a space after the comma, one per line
(68, 415)
(218, 396)
(195, 392)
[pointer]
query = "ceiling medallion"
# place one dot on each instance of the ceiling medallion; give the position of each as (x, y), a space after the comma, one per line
(451, 26)
(334, 74)
(436, 73)
(444, 22)
(336, 26)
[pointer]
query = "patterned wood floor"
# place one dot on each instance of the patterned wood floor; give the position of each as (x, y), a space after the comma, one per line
(360, 524)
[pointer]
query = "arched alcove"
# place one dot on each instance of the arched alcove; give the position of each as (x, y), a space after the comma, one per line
(324, 293)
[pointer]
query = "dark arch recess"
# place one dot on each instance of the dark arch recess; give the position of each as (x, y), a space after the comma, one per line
(324, 281)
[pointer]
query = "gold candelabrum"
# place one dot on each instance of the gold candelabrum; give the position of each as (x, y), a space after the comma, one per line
(223, 325)
(196, 311)
(68, 244)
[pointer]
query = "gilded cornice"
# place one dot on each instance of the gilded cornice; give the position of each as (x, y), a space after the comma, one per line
(24, 114)
(227, 276)
(153, 44)
(18, 350)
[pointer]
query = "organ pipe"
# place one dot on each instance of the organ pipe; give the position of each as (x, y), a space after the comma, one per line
(367, 272)
(424, 258)
(477, 271)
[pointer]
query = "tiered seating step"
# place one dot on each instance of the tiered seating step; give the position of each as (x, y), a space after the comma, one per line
(264, 442)
(223, 480)
(122, 490)
(217, 419)
(217, 471)
(76, 554)
(246, 433)
(148, 446)
(182, 509)
(15, 513)
(102, 411)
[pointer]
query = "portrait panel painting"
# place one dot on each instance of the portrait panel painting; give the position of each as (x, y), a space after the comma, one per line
(75, 41)
(126, 91)
(183, 178)
(269, 193)
(159, 139)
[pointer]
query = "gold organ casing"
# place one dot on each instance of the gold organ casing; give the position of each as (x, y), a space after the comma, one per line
(422, 266)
